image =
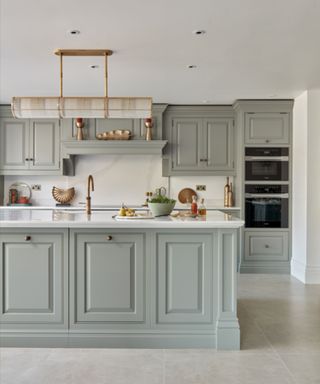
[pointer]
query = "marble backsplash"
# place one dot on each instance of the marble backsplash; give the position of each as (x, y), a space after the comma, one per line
(118, 179)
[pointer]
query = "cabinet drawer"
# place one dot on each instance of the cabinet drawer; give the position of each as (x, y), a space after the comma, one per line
(266, 246)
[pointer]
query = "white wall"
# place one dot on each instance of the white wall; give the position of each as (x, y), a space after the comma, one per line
(313, 196)
(119, 179)
(306, 187)
(299, 186)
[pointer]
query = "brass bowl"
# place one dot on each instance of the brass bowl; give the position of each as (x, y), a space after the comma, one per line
(63, 196)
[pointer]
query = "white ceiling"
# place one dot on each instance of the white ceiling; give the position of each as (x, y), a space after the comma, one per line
(252, 48)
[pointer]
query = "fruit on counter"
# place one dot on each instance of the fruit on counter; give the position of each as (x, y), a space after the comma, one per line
(124, 211)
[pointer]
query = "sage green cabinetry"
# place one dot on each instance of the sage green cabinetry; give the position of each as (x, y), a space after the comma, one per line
(264, 123)
(184, 279)
(267, 128)
(107, 279)
(266, 246)
(29, 146)
(34, 271)
(200, 141)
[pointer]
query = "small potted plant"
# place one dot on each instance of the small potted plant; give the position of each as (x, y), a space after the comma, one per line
(161, 205)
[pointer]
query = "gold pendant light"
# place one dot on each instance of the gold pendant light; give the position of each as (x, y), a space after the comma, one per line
(89, 107)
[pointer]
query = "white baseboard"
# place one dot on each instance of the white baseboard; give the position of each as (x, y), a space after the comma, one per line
(306, 274)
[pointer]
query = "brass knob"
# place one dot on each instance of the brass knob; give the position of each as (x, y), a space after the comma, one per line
(267, 141)
(27, 238)
(109, 237)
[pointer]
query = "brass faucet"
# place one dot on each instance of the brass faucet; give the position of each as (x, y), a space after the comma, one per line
(90, 186)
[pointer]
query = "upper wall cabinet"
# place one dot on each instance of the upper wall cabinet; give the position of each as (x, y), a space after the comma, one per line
(29, 146)
(199, 144)
(267, 128)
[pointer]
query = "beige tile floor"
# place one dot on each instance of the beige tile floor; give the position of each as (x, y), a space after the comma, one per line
(280, 327)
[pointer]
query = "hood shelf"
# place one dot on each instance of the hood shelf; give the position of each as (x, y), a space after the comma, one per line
(112, 147)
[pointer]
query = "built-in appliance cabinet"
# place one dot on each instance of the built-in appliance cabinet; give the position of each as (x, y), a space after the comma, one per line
(267, 128)
(200, 141)
(33, 284)
(265, 123)
(29, 146)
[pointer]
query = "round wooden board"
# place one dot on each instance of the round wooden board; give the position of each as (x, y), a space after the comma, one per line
(185, 195)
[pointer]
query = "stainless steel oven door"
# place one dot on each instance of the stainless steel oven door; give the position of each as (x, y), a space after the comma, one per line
(266, 210)
(266, 168)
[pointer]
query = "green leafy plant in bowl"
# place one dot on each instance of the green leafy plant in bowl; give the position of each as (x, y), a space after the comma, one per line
(161, 205)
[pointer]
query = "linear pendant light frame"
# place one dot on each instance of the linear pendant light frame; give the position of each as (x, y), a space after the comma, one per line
(81, 106)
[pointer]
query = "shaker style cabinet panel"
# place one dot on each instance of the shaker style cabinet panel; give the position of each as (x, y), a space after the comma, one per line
(184, 279)
(187, 144)
(218, 143)
(29, 146)
(266, 246)
(199, 146)
(14, 144)
(267, 128)
(45, 144)
(33, 267)
(108, 279)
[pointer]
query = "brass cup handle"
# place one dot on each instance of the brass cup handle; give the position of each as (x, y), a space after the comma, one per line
(27, 238)
(109, 237)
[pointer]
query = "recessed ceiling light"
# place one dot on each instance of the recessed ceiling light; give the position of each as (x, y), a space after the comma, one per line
(206, 101)
(199, 32)
(192, 66)
(94, 66)
(74, 32)
(273, 95)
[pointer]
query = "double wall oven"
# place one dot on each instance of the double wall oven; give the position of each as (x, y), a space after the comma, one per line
(266, 187)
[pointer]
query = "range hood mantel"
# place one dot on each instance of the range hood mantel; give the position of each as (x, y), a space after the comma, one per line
(112, 147)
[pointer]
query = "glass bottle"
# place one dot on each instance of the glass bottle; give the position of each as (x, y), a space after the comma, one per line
(202, 210)
(194, 205)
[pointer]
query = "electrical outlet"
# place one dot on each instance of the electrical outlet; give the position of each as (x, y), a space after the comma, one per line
(201, 187)
(36, 187)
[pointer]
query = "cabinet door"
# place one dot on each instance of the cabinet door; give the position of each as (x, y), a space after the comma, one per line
(33, 267)
(218, 144)
(187, 144)
(109, 278)
(14, 144)
(184, 278)
(267, 128)
(44, 144)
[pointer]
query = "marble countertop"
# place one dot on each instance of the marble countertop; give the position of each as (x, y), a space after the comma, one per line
(45, 218)
(81, 207)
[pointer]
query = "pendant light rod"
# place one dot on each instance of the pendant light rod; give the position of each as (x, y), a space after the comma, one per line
(61, 75)
(84, 52)
(82, 106)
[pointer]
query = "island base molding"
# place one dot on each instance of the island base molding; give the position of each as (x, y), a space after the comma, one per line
(144, 340)
(119, 288)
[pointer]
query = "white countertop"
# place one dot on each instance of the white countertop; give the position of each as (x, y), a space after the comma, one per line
(110, 207)
(44, 218)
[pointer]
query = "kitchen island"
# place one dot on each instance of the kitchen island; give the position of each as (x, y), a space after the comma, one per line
(72, 280)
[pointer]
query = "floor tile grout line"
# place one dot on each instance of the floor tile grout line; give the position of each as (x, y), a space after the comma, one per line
(277, 353)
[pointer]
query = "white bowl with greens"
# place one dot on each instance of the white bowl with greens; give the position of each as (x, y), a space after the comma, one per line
(161, 205)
